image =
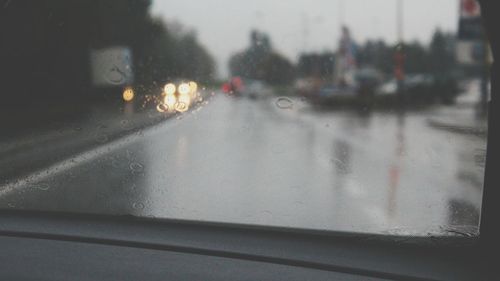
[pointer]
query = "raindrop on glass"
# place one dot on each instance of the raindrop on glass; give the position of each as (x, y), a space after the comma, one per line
(181, 106)
(115, 76)
(42, 186)
(125, 123)
(138, 206)
(101, 138)
(284, 103)
(136, 167)
(162, 107)
(115, 163)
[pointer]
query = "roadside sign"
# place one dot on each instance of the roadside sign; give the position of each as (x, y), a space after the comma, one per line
(111, 66)
(469, 25)
(470, 48)
(470, 52)
(469, 9)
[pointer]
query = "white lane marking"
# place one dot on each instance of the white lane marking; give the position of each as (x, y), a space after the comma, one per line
(80, 158)
(76, 160)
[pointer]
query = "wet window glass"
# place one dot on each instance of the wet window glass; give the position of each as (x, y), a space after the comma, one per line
(360, 116)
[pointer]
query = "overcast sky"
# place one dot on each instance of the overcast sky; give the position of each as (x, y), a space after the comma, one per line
(295, 25)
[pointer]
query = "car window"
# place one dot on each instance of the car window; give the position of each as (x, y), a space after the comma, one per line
(361, 116)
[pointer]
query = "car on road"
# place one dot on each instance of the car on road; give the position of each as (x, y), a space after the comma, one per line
(239, 189)
(178, 95)
(422, 88)
(246, 87)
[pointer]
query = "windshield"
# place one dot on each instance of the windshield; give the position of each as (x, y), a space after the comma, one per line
(361, 116)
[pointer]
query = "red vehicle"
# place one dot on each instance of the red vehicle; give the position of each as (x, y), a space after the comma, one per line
(246, 87)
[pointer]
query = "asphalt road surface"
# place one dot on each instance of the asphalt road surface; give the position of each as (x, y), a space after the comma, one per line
(277, 162)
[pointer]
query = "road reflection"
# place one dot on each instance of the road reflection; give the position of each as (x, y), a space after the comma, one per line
(462, 213)
(395, 168)
(245, 161)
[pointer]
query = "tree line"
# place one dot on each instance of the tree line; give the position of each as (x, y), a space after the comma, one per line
(261, 61)
(47, 45)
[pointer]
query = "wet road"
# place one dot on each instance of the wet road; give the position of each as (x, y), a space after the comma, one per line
(278, 163)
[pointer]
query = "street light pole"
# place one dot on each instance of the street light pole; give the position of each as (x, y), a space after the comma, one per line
(399, 54)
(341, 13)
(305, 32)
(399, 19)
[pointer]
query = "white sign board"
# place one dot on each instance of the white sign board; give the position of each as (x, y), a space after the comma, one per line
(465, 52)
(111, 66)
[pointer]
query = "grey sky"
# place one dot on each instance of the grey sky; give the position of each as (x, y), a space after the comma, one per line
(294, 25)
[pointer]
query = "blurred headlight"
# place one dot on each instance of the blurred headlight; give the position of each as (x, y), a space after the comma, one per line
(170, 101)
(184, 89)
(193, 86)
(185, 99)
(128, 94)
(169, 89)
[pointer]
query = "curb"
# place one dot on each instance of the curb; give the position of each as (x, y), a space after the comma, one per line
(481, 131)
(85, 141)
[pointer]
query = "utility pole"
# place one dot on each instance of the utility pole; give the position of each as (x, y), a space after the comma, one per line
(305, 32)
(337, 63)
(399, 19)
(341, 13)
(399, 53)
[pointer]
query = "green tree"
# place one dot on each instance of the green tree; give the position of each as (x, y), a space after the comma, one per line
(441, 52)
(416, 58)
(376, 54)
(318, 65)
(260, 61)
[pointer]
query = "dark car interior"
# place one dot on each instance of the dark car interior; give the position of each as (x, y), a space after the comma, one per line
(48, 245)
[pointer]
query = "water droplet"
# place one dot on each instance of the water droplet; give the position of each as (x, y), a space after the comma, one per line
(101, 138)
(115, 163)
(138, 205)
(284, 103)
(42, 186)
(162, 107)
(181, 106)
(136, 167)
(130, 154)
(115, 76)
(268, 213)
(125, 123)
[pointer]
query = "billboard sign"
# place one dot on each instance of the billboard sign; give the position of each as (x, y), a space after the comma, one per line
(111, 66)
(469, 25)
